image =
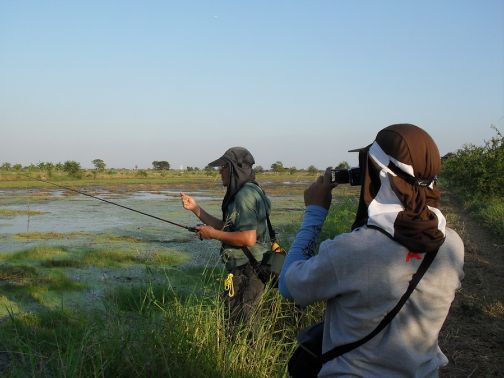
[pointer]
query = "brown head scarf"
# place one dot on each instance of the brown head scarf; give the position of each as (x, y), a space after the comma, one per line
(398, 193)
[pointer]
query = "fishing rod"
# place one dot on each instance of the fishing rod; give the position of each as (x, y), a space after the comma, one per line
(191, 229)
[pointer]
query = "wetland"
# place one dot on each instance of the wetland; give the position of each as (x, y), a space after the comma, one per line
(60, 248)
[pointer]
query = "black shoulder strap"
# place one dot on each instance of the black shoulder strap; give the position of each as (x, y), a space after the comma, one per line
(271, 231)
(341, 349)
(250, 256)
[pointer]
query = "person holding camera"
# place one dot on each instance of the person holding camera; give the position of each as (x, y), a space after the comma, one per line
(363, 274)
(245, 209)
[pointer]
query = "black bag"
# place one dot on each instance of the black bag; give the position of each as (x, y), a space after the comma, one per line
(307, 359)
(268, 270)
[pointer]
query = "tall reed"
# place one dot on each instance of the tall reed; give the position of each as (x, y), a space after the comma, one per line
(152, 331)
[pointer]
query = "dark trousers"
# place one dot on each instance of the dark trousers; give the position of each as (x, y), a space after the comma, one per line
(247, 290)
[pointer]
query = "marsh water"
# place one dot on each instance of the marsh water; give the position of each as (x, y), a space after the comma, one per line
(100, 246)
(59, 213)
(59, 217)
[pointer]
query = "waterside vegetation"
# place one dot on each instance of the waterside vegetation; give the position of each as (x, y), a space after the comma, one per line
(115, 311)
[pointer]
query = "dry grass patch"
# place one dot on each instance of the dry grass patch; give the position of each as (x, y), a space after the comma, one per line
(48, 235)
(15, 213)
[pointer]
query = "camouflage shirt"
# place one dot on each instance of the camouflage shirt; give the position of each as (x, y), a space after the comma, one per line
(247, 211)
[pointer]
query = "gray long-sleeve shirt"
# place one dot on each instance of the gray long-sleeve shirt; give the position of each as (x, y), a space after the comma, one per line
(362, 275)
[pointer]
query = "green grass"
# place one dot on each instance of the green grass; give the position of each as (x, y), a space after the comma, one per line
(490, 211)
(50, 256)
(14, 213)
(25, 286)
(486, 209)
(48, 235)
(36, 254)
(130, 180)
(42, 277)
(170, 323)
(474, 175)
(117, 257)
(17, 273)
(339, 219)
(151, 331)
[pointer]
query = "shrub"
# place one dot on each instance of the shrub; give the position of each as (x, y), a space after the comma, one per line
(476, 171)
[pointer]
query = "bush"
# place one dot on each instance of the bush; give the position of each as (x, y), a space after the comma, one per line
(73, 168)
(475, 174)
(477, 171)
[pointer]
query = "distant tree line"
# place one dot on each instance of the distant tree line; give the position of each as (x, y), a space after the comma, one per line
(162, 165)
(74, 169)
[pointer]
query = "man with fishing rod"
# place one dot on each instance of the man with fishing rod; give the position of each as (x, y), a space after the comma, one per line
(389, 283)
(243, 230)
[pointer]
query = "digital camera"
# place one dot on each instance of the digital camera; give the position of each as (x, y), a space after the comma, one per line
(350, 176)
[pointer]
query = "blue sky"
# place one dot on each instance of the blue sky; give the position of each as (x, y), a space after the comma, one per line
(301, 82)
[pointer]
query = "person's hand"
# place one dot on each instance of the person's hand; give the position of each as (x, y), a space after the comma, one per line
(205, 232)
(188, 202)
(319, 193)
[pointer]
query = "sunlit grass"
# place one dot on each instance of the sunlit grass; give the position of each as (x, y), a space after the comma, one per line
(110, 257)
(57, 280)
(115, 257)
(30, 278)
(36, 254)
(340, 217)
(117, 238)
(7, 306)
(48, 235)
(491, 212)
(168, 321)
(170, 324)
(39, 276)
(151, 331)
(14, 213)
(50, 256)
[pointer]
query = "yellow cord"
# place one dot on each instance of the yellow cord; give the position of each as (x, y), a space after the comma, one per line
(228, 285)
(275, 247)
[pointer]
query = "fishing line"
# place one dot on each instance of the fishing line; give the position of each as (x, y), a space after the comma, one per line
(191, 229)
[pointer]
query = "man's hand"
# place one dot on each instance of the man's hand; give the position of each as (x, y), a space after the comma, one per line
(189, 203)
(319, 193)
(206, 232)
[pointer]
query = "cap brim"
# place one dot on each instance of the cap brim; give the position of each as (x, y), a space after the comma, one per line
(218, 163)
(362, 149)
